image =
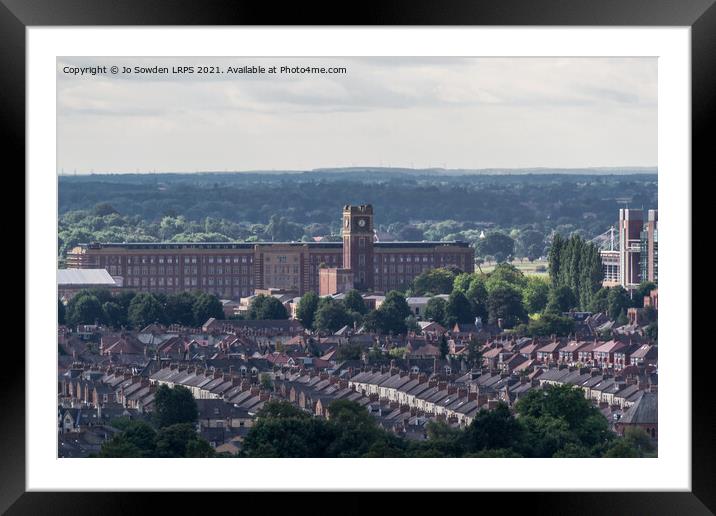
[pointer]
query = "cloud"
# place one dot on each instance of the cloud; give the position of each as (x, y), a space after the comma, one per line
(426, 110)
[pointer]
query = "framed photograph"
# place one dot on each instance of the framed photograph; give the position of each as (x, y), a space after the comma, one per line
(419, 252)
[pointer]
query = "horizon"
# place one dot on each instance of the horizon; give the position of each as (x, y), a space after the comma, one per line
(629, 170)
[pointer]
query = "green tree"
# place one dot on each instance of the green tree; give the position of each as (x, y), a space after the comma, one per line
(561, 299)
(114, 315)
(444, 347)
(306, 309)
(354, 302)
(349, 351)
(84, 308)
(354, 430)
(458, 309)
(496, 244)
(435, 310)
(550, 324)
(474, 352)
(617, 302)
(145, 309)
(104, 208)
(266, 381)
(331, 317)
(265, 307)
(505, 273)
(180, 309)
(205, 307)
(282, 430)
(434, 281)
(491, 429)
(61, 312)
(174, 406)
(529, 244)
(643, 290)
(118, 446)
(390, 316)
(535, 294)
(505, 302)
(181, 440)
(600, 301)
(567, 403)
(477, 294)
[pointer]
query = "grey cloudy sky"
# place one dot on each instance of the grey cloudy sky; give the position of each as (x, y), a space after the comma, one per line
(393, 111)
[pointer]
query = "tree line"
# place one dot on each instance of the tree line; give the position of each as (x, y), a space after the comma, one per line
(520, 210)
(169, 433)
(552, 422)
(131, 310)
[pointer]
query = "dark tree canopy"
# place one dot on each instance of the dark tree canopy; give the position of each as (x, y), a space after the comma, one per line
(354, 302)
(173, 406)
(434, 281)
(435, 310)
(145, 309)
(265, 307)
(505, 303)
(306, 309)
(496, 244)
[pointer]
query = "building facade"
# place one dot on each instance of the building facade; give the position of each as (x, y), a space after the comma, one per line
(233, 270)
(637, 258)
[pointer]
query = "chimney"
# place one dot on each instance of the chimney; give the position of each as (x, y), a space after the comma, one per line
(442, 386)
(462, 392)
(471, 396)
(451, 389)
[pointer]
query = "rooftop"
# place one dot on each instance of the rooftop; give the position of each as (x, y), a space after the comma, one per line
(100, 277)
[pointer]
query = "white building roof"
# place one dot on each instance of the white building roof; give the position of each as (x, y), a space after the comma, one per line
(98, 277)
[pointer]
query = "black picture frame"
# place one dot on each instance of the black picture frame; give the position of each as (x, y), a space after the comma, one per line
(699, 15)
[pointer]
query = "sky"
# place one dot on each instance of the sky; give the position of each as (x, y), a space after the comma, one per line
(466, 113)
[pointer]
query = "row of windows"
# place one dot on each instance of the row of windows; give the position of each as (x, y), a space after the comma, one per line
(145, 270)
(281, 259)
(283, 269)
(226, 293)
(175, 259)
(188, 281)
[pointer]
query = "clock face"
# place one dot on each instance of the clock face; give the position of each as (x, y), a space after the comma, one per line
(361, 223)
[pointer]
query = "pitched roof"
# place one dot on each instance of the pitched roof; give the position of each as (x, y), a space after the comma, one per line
(644, 411)
(97, 277)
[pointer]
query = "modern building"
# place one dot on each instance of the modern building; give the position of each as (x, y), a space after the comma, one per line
(637, 256)
(649, 243)
(232, 270)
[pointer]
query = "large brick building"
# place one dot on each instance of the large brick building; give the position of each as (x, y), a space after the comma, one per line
(232, 270)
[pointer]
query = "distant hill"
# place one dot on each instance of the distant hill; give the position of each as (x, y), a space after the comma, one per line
(398, 171)
(495, 171)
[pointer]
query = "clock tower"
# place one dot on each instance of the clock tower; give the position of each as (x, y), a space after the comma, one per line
(358, 244)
